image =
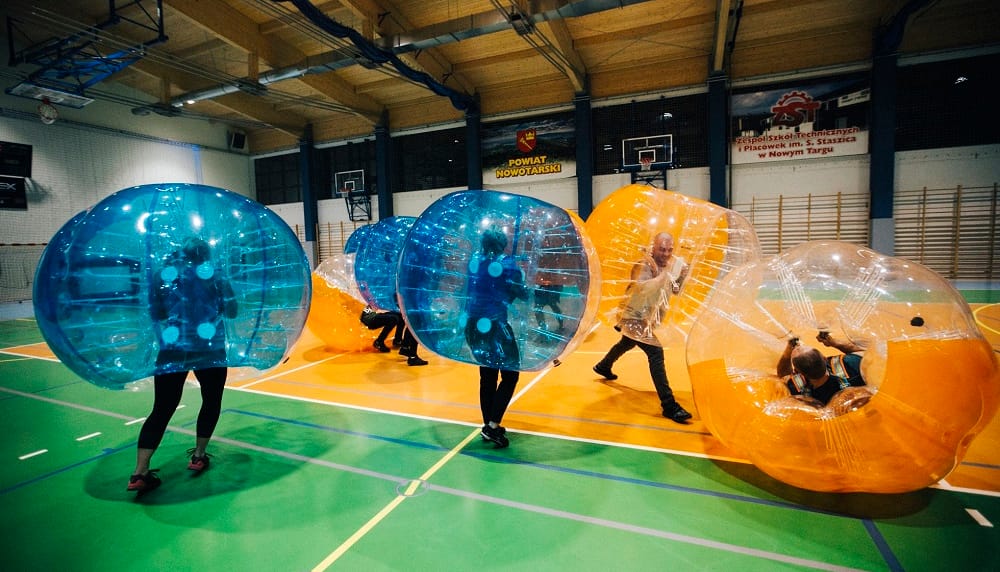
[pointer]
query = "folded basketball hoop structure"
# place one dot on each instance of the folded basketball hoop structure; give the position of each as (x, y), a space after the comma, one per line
(351, 186)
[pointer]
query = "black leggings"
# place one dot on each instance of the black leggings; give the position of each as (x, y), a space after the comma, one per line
(167, 390)
(493, 398)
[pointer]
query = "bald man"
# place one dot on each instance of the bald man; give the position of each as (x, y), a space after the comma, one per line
(654, 279)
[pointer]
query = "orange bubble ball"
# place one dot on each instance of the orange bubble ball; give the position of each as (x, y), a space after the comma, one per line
(710, 238)
(932, 379)
(335, 314)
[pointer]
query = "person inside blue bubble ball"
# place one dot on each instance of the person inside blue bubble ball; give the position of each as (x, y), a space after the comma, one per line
(189, 302)
(495, 282)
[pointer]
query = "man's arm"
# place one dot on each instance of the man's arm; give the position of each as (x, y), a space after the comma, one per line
(785, 361)
(846, 347)
(681, 275)
(645, 281)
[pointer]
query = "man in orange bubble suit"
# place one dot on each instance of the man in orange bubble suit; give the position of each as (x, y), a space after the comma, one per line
(813, 376)
(656, 277)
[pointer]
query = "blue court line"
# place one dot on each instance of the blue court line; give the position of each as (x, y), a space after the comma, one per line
(50, 474)
(882, 546)
(979, 465)
(329, 429)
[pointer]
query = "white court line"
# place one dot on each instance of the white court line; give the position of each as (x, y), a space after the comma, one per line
(518, 431)
(386, 510)
(943, 485)
(91, 436)
(35, 454)
(28, 356)
(978, 517)
(368, 526)
(286, 372)
(16, 358)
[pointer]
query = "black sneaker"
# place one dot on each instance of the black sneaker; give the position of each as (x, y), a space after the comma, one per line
(144, 483)
(380, 346)
(496, 435)
(604, 372)
(676, 413)
(415, 360)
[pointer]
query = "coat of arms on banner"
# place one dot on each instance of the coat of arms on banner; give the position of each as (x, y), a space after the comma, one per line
(526, 140)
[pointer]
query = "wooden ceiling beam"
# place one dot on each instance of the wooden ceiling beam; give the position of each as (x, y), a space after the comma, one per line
(722, 15)
(202, 48)
(640, 32)
(562, 41)
(499, 59)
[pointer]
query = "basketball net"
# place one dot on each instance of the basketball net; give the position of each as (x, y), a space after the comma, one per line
(645, 163)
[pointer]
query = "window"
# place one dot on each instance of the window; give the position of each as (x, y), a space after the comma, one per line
(946, 104)
(277, 179)
(430, 160)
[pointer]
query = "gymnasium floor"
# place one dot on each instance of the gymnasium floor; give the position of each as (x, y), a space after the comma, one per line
(359, 462)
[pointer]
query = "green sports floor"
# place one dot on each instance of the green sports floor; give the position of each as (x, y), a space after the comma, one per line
(300, 484)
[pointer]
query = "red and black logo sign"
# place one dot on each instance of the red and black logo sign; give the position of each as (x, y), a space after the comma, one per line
(794, 109)
(526, 140)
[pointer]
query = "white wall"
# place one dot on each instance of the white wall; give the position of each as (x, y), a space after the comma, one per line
(977, 166)
(75, 166)
(940, 168)
(561, 192)
(799, 178)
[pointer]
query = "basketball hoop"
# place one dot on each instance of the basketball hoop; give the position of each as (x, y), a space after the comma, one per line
(645, 163)
(47, 113)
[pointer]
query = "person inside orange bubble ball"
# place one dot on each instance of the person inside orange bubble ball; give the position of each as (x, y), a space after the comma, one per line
(654, 279)
(402, 339)
(816, 377)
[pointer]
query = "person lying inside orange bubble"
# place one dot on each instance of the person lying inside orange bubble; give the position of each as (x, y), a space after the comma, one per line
(816, 378)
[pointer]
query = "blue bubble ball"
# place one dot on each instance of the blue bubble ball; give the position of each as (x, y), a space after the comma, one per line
(376, 261)
(354, 240)
(499, 280)
(171, 277)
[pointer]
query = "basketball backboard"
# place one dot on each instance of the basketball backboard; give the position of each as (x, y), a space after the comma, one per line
(346, 182)
(649, 153)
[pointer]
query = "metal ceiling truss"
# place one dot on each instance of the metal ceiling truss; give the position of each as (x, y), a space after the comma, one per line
(81, 60)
